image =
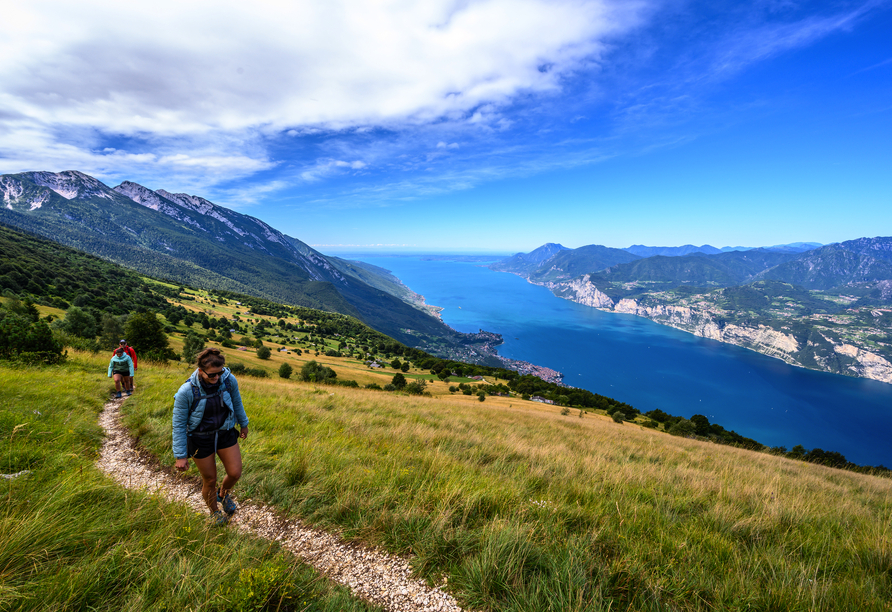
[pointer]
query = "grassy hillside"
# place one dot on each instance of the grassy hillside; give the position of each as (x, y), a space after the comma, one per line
(516, 505)
(72, 540)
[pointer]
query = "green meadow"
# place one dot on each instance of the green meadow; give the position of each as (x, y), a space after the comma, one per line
(71, 539)
(514, 505)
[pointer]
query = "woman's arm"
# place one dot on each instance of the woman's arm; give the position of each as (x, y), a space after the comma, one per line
(180, 421)
(240, 416)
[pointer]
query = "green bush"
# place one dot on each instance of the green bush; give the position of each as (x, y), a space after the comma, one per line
(399, 381)
(285, 370)
(193, 345)
(19, 335)
(145, 333)
(313, 371)
(264, 352)
(416, 387)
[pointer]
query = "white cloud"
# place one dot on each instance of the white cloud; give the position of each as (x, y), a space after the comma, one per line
(189, 90)
(184, 68)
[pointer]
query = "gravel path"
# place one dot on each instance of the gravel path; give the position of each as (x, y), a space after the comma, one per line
(372, 575)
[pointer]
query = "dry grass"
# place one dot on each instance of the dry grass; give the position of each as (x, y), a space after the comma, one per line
(526, 509)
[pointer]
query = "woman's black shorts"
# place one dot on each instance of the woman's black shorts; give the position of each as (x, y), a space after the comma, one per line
(202, 446)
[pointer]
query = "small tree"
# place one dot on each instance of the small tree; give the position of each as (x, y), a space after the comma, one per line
(78, 322)
(285, 371)
(416, 387)
(404, 367)
(395, 364)
(112, 330)
(145, 333)
(399, 381)
(193, 345)
(263, 352)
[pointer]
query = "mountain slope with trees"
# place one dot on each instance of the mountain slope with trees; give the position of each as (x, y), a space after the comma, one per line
(190, 240)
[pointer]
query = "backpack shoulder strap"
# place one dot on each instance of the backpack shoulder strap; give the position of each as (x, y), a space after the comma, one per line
(196, 396)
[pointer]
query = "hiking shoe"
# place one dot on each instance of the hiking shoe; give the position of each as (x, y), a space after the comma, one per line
(219, 519)
(229, 506)
(118, 395)
(128, 392)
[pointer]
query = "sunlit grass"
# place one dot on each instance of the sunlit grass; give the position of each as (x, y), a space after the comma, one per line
(71, 539)
(525, 509)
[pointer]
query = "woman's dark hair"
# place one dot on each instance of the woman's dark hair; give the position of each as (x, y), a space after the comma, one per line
(212, 357)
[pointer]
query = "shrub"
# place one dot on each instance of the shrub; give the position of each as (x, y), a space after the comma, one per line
(416, 387)
(146, 334)
(264, 352)
(316, 372)
(682, 427)
(348, 383)
(618, 417)
(565, 411)
(237, 368)
(78, 322)
(399, 381)
(285, 371)
(389, 387)
(193, 345)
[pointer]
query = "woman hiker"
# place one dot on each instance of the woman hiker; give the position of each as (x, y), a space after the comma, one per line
(205, 410)
(120, 367)
(128, 383)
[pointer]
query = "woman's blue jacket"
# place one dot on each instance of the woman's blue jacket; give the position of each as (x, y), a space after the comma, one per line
(184, 422)
(123, 359)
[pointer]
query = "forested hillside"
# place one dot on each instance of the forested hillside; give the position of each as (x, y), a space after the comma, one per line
(190, 240)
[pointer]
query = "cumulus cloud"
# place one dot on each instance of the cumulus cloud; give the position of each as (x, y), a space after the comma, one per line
(190, 82)
(175, 67)
(204, 93)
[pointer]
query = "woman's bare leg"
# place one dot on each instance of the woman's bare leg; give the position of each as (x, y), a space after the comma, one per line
(207, 467)
(232, 462)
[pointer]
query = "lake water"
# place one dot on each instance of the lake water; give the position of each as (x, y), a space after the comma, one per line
(652, 366)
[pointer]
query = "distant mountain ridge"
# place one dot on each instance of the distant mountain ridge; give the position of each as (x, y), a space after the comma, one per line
(690, 249)
(827, 308)
(192, 240)
(647, 251)
(520, 262)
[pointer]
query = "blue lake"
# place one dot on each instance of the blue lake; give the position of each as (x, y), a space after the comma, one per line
(652, 366)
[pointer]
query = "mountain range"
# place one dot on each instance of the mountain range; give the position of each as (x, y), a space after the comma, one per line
(851, 265)
(188, 239)
(827, 308)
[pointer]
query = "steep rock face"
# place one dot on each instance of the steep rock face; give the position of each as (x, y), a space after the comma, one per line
(868, 364)
(70, 184)
(760, 338)
(583, 291)
(150, 199)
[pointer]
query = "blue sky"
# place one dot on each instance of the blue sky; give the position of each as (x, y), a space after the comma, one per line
(490, 126)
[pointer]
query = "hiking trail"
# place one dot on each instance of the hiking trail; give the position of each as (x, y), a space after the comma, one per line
(371, 574)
